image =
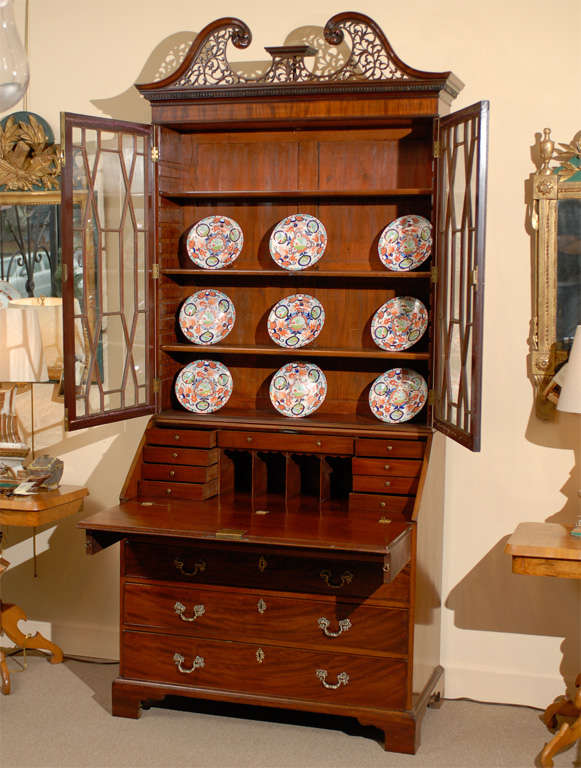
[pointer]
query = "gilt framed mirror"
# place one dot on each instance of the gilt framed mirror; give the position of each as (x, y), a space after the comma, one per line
(556, 221)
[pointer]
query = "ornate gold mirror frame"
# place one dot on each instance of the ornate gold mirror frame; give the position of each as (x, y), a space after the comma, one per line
(556, 219)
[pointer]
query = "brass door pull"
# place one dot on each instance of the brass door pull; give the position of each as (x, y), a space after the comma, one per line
(324, 624)
(179, 660)
(345, 578)
(199, 567)
(180, 609)
(342, 679)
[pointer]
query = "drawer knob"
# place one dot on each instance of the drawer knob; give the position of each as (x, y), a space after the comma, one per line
(168, 491)
(386, 466)
(180, 609)
(176, 437)
(382, 504)
(324, 624)
(249, 439)
(345, 578)
(387, 482)
(179, 660)
(390, 447)
(199, 567)
(318, 443)
(175, 454)
(172, 473)
(342, 679)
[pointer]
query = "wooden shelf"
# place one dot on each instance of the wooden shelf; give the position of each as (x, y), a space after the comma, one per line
(293, 194)
(267, 420)
(234, 349)
(220, 274)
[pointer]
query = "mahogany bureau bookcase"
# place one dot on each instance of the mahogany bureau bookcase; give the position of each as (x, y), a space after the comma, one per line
(267, 559)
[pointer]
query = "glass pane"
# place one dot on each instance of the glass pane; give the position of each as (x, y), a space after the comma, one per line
(568, 270)
(110, 242)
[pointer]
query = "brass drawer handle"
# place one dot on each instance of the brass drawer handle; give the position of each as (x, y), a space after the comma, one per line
(172, 473)
(179, 660)
(390, 447)
(324, 624)
(199, 567)
(180, 609)
(342, 679)
(345, 578)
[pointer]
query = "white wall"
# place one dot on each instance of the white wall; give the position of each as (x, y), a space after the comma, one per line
(505, 638)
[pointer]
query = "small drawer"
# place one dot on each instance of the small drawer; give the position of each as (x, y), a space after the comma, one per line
(251, 615)
(259, 441)
(188, 438)
(372, 484)
(396, 507)
(405, 449)
(195, 491)
(401, 467)
(179, 474)
(193, 457)
(322, 676)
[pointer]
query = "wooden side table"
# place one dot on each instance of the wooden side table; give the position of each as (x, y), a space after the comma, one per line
(548, 549)
(31, 512)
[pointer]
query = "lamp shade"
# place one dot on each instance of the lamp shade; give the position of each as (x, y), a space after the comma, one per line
(570, 397)
(21, 353)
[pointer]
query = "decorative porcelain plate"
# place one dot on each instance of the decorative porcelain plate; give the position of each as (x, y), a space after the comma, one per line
(399, 323)
(298, 389)
(214, 242)
(298, 241)
(296, 320)
(397, 395)
(405, 243)
(207, 317)
(203, 386)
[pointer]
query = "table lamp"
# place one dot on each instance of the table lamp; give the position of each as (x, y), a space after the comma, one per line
(570, 396)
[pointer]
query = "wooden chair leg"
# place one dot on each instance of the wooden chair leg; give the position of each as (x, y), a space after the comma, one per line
(4, 674)
(567, 734)
(11, 615)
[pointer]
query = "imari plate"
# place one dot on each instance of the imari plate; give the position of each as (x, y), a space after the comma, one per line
(298, 389)
(298, 241)
(398, 395)
(214, 242)
(207, 317)
(296, 320)
(203, 386)
(405, 243)
(399, 323)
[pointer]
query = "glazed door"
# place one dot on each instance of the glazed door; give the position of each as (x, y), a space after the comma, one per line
(107, 239)
(459, 277)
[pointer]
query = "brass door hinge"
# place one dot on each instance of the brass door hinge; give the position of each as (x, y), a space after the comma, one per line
(437, 149)
(474, 276)
(431, 397)
(155, 271)
(156, 386)
(155, 154)
(434, 275)
(66, 419)
(65, 271)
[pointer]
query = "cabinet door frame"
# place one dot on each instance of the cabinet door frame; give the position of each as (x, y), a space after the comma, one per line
(459, 273)
(103, 414)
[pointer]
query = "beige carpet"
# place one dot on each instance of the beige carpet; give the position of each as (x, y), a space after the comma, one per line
(59, 716)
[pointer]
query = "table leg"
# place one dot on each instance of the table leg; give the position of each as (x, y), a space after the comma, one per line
(4, 674)
(11, 615)
(568, 733)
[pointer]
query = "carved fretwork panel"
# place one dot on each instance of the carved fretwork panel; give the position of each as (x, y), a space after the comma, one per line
(369, 60)
(459, 256)
(107, 239)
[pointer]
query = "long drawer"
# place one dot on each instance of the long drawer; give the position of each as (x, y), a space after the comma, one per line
(272, 570)
(240, 615)
(263, 669)
(193, 491)
(327, 444)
